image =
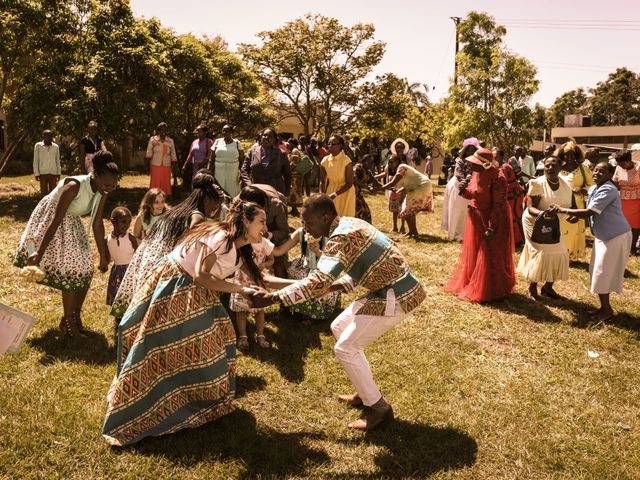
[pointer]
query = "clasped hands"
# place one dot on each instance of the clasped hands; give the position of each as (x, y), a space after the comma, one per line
(257, 296)
(555, 209)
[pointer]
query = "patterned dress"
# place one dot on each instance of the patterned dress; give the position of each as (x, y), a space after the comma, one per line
(359, 254)
(67, 261)
(419, 193)
(176, 364)
(629, 183)
(237, 302)
(321, 308)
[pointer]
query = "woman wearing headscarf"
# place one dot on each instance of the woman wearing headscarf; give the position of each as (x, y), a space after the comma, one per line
(454, 210)
(485, 269)
(336, 178)
(580, 180)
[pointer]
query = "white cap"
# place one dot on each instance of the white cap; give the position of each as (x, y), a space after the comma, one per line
(635, 147)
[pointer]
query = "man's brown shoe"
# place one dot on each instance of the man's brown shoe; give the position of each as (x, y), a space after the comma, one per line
(377, 414)
(353, 400)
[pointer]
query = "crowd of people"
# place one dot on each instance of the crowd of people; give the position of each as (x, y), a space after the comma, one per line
(176, 355)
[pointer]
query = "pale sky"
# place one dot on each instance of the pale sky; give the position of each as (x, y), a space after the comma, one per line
(573, 43)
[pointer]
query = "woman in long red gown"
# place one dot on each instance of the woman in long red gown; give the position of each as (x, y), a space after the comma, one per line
(485, 270)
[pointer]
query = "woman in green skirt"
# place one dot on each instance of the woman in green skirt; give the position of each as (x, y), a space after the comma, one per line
(176, 344)
(56, 240)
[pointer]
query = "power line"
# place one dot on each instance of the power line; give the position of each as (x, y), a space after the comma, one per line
(444, 57)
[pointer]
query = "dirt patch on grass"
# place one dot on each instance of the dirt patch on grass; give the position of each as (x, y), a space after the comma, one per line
(13, 188)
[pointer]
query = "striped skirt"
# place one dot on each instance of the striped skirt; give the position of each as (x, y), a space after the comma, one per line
(176, 359)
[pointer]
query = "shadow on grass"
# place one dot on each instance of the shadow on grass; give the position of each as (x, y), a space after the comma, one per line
(289, 344)
(412, 450)
(248, 383)
(519, 304)
(236, 437)
(19, 207)
(94, 349)
(428, 238)
(621, 320)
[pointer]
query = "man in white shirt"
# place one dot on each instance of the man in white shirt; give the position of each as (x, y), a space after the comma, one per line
(523, 165)
(46, 163)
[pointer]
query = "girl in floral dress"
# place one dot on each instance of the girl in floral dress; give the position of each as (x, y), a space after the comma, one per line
(56, 240)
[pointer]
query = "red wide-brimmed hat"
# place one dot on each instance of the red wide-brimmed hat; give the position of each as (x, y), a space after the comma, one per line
(482, 157)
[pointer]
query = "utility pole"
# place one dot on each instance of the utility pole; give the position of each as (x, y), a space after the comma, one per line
(456, 20)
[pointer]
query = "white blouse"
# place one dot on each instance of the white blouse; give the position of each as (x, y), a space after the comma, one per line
(227, 262)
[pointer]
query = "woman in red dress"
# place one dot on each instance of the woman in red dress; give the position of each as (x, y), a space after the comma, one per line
(515, 195)
(485, 269)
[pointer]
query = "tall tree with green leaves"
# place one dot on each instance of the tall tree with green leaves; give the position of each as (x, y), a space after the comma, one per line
(314, 66)
(616, 101)
(495, 86)
(130, 74)
(30, 31)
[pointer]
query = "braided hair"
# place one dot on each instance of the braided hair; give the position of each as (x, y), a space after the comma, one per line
(103, 164)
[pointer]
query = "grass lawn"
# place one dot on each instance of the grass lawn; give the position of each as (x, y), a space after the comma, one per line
(497, 391)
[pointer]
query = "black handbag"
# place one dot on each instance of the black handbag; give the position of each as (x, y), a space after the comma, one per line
(546, 230)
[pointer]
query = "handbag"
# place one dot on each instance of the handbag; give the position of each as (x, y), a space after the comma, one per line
(546, 230)
(305, 165)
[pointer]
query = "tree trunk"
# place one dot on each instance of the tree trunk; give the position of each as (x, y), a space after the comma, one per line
(9, 153)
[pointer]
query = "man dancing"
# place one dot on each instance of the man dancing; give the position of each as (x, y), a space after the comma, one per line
(356, 254)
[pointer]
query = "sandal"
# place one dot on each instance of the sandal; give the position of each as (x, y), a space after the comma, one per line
(64, 326)
(243, 343)
(69, 326)
(261, 341)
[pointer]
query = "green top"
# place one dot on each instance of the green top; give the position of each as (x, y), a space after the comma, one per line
(86, 201)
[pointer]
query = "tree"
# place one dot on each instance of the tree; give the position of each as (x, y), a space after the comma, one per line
(495, 86)
(130, 74)
(314, 65)
(616, 101)
(569, 103)
(390, 107)
(29, 31)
